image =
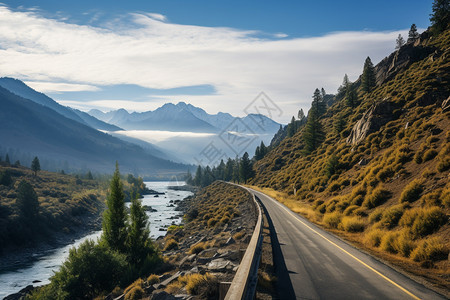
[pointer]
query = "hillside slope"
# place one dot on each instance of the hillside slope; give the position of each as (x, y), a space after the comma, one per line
(381, 176)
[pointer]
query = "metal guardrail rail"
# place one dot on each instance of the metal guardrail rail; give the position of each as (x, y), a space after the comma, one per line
(244, 282)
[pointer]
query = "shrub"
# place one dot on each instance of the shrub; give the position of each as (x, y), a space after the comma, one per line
(332, 220)
(409, 217)
(205, 286)
(197, 248)
(376, 215)
(429, 154)
(412, 191)
(373, 237)
(238, 235)
(171, 245)
(334, 187)
(352, 224)
(388, 241)
(432, 249)
(135, 293)
(211, 222)
(138, 283)
(403, 243)
(377, 197)
(391, 216)
(428, 221)
(385, 173)
(349, 210)
(152, 279)
(444, 164)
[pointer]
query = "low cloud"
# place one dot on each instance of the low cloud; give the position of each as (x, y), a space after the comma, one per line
(146, 50)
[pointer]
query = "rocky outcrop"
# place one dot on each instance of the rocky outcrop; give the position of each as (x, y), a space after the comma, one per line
(376, 116)
(401, 59)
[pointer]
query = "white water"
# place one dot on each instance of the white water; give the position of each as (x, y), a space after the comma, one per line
(46, 263)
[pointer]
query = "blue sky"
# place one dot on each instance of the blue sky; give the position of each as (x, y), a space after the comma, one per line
(214, 54)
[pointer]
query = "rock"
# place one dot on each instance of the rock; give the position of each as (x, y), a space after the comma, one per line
(400, 60)
(36, 281)
(194, 270)
(363, 162)
(203, 260)
(208, 252)
(21, 294)
(230, 255)
(162, 296)
(221, 265)
(183, 297)
(376, 116)
(230, 241)
(446, 105)
(186, 260)
(149, 289)
(167, 281)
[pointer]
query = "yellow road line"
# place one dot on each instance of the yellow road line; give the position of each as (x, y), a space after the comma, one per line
(345, 251)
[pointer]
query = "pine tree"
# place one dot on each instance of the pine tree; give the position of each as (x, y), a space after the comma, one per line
(257, 153)
(35, 165)
(301, 116)
(189, 177)
(313, 134)
(198, 176)
(291, 128)
(339, 123)
(235, 176)
(139, 244)
(7, 161)
(89, 175)
(440, 18)
(413, 34)
(114, 217)
(342, 90)
(245, 168)
(263, 149)
(351, 97)
(229, 170)
(368, 76)
(399, 42)
(318, 103)
(27, 201)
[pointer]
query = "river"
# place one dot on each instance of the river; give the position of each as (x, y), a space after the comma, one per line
(42, 265)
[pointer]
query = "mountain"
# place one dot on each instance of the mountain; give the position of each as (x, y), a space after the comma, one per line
(21, 89)
(185, 118)
(380, 177)
(41, 131)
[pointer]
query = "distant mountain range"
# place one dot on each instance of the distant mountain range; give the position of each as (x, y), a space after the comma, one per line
(62, 138)
(21, 89)
(184, 117)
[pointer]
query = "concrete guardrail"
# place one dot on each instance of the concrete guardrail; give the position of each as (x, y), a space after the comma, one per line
(244, 283)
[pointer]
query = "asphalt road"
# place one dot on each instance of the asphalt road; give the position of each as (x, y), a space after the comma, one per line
(314, 264)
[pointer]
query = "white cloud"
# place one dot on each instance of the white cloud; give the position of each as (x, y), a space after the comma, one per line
(156, 54)
(59, 87)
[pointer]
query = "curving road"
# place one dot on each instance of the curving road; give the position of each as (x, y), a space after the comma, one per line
(313, 264)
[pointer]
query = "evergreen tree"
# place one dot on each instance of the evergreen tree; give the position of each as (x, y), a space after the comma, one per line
(198, 176)
(322, 91)
(35, 165)
(220, 170)
(114, 217)
(263, 149)
(399, 42)
(351, 97)
(17, 163)
(7, 161)
(368, 76)
(301, 115)
(229, 166)
(291, 128)
(89, 175)
(413, 34)
(257, 153)
(440, 18)
(189, 179)
(27, 201)
(245, 168)
(236, 164)
(313, 134)
(318, 104)
(139, 244)
(342, 90)
(208, 177)
(339, 123)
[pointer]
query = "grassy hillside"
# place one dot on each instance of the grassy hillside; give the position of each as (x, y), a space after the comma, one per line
(65, 204)
(389, 193)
